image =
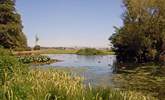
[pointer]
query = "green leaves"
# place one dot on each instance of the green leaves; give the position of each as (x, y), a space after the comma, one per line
(8, 64)
(36, 59)
(11, 35)
(141, 38)
(89, 51)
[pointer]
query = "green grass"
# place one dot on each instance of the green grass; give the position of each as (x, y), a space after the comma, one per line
(45, 51)
(57, 51)
(92, 51)
(143, 79)
(108, 52)
(40, 84)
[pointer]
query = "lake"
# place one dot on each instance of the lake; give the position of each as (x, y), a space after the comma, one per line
(96, 70)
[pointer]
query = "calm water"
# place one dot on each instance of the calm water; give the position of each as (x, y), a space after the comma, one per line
(97, 70)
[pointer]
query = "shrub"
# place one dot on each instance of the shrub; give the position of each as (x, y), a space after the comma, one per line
(9, 66)
(37, 47)
(89, 51)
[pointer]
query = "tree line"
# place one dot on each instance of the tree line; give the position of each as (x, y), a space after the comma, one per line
(142, 36)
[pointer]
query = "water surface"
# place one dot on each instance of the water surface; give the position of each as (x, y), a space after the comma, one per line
(98, 70)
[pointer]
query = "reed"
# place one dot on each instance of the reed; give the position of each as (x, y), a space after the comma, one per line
(18, 82)
(50, 84)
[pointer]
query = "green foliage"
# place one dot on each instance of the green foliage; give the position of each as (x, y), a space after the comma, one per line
(52, 84)
(9, 65)
(23, 49)
(11, 35)
(149, 79)
(89, 51)
(20, 83)
(6, 66)
(35, 59)
(58, 51)
(37, 47)
(142, 37)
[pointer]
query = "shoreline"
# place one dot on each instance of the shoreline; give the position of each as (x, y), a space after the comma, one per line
(54, 51)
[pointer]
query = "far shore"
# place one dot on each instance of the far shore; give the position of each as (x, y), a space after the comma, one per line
(45, 51)
(54, 51)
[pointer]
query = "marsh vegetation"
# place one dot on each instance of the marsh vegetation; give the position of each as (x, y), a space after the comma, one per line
(36, 59)
(145, 78)
(20, 82)
(93, 51)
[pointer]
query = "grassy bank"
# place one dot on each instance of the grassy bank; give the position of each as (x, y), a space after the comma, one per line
(45, 51)
(92, 51)
(58, 85)
(55, 51)
(18, 82)
(146, 79)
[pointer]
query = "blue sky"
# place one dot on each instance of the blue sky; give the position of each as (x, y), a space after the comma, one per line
(70, 22)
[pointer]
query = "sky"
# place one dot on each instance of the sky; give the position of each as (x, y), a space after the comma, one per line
(70, 23)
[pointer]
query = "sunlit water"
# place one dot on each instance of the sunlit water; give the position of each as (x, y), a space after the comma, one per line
(96, 70)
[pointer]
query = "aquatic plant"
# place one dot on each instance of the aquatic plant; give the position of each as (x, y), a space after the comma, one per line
(35, 59)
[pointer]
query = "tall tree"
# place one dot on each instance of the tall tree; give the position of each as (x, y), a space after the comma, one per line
(142, 37)
(11, 35)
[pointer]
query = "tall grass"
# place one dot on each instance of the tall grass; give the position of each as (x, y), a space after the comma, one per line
(19, 83)
(41, 84)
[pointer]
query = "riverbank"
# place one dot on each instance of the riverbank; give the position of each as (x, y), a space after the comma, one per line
(45, 51)
(145, 79)
(54, 51)
(50, 84)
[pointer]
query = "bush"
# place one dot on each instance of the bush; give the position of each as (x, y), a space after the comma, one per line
(37, 47)
(9, 67)
(89, 51)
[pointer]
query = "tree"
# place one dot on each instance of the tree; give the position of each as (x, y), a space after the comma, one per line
(11, 35)
(142, 37)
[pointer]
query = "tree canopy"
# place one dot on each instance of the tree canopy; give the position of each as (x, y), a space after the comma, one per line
(142, 36)
(11, 35)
